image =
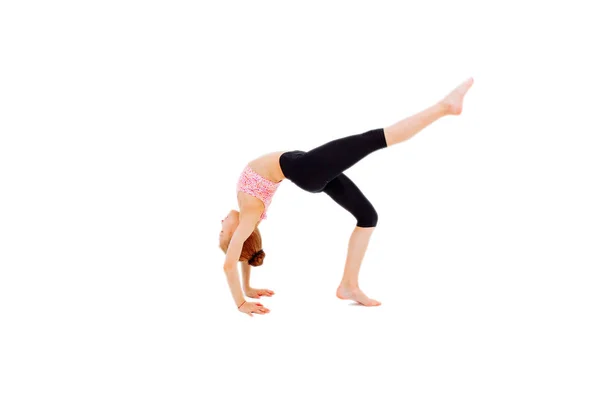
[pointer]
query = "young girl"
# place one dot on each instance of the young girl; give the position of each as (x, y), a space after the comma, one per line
(318, 170)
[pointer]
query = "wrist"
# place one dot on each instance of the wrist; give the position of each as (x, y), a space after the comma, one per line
(241, 304)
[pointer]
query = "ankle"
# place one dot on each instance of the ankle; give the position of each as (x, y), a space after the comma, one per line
(443, 108)
(349, 285)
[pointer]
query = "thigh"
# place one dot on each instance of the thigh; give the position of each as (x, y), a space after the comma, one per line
(345, 193)
(336, 156)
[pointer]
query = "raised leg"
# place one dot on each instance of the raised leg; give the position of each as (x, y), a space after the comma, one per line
(322, 164)
(408, 127)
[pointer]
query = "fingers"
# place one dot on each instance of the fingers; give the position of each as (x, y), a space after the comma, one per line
(256, 308)
(260, 309)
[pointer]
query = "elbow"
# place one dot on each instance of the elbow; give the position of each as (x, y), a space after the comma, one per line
(229, 265)
(232, 256)
(228, 268)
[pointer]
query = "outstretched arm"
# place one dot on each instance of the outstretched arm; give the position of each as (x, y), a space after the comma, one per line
(246, 276)
(245, 228)
(251, 292)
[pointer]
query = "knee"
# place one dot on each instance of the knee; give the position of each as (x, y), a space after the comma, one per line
(367, 218)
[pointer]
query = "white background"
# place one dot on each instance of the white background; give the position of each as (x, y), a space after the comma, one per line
(124, 126)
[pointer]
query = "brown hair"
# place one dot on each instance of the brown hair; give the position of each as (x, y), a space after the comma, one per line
(252, 251)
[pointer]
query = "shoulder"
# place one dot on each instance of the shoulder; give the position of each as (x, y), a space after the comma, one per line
(248, 222)
(250, 213)
(250, 204)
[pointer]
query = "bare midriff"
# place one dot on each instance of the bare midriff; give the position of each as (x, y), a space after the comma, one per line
(268, 166)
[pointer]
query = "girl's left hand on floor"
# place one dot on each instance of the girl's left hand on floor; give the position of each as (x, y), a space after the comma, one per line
(256, 293)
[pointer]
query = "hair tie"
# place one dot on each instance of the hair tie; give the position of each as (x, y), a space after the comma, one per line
(254, 256)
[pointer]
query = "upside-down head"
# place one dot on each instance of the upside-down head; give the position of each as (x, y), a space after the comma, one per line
(252, 251)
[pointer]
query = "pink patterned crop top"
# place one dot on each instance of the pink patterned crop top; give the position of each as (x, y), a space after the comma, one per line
(256, 185)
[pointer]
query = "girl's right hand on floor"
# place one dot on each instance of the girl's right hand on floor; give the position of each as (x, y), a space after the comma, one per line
(253, 308)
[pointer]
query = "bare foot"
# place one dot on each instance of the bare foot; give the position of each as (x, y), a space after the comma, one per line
(454, 101)
(357, 295)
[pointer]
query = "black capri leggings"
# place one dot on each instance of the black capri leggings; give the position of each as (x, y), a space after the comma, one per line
(321, 170)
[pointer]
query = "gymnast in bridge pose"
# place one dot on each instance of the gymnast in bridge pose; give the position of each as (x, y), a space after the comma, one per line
(320, 170)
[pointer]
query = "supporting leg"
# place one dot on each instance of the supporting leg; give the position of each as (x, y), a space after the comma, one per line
(345, 193)
(357, 247)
